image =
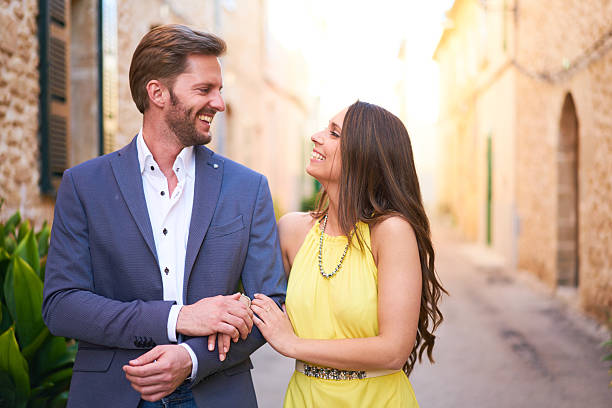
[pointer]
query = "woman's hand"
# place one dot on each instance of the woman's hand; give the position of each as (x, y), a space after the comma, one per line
(274, 324)
(224, 341)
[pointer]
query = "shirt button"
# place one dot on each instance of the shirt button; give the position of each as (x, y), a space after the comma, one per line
(163, 193)
(165, 231)
(166, 271)
(152, 168)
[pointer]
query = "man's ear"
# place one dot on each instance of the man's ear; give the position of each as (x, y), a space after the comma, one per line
(157, 93)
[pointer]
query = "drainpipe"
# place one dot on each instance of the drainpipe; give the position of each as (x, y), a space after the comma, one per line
(220, 120)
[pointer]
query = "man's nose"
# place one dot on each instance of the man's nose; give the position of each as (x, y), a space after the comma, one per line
(217, 103)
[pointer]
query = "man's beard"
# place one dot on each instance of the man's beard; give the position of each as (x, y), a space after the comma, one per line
(180, 123)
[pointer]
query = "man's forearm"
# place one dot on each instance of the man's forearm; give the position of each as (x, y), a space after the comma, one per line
(83, 315)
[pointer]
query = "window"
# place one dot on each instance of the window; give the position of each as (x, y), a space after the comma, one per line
(54, 129)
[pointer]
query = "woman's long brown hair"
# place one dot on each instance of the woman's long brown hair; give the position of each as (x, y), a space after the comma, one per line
(378, 179)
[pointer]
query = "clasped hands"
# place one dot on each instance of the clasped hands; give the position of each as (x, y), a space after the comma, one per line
(161, 370)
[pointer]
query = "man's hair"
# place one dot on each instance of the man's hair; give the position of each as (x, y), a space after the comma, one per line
(162, 54)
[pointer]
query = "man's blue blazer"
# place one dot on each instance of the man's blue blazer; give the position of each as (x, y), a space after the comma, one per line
(103, 285)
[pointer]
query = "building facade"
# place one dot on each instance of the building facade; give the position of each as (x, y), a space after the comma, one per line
(526, 129)
(65, 97)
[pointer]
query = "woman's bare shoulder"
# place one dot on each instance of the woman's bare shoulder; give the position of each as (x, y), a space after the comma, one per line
(394, 228)
(292, 230)
(295, 222)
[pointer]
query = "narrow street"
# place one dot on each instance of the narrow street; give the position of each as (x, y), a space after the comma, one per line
(505, 342)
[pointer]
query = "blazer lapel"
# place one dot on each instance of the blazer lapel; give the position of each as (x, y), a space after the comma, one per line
(127, 173)
(209, 173)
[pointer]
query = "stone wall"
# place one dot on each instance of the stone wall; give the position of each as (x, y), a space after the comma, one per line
(562, 42)
(550, 50)
(19, 90)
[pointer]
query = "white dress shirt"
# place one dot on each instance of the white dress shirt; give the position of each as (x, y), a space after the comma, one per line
(170, 217)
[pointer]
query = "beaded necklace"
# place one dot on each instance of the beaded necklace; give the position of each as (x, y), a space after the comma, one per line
(323, 273)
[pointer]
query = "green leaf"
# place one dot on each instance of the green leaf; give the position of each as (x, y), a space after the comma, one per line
(28, 250)
(7, 390)
(28, 352)
(59, 376)
(4, 255)
(60, 401)
(607, 343)
(6, 319)
(10, 244)
(24, 229)
(42, 238)
(41, 390)
(4, 262)
(54, 384)
(607, 358)
(13, 363)
(11, 223)
(43, 268)
(23, 294)
(55, 354)
(36, 402)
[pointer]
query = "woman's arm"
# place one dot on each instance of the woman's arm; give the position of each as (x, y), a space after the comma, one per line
(399, 297)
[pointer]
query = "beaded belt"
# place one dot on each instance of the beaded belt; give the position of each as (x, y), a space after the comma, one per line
(326, 373)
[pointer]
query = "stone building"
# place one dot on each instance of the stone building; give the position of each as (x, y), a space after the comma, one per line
(526, 129)
(65, 98)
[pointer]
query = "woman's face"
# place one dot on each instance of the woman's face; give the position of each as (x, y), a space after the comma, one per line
(325, 164)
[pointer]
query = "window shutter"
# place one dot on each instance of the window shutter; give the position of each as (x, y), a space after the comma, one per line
(54, 132)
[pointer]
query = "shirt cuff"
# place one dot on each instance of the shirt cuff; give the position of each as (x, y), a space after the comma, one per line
(194, 361)
(172, 319)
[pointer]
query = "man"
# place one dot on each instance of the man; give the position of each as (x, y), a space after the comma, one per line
(150, 243)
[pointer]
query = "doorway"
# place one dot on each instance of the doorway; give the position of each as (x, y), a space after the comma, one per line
(567, 195)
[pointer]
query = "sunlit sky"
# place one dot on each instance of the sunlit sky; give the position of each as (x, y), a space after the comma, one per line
(351, 49)
(352, 46)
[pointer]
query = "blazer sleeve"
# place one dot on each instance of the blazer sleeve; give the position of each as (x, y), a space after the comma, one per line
(262, 273)
(71, 308)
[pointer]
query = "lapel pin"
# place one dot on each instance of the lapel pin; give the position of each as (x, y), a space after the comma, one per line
(215, 166)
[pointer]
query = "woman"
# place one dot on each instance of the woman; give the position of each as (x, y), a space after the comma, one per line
(362, 294)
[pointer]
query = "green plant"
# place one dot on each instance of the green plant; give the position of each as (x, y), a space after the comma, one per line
(35, 366)
(309, 203)
(608, 357)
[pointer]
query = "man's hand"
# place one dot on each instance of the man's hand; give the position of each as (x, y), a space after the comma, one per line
(159, 372)
(219, 314)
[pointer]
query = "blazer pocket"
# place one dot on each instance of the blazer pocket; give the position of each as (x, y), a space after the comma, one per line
(230, 227)
(93, 360)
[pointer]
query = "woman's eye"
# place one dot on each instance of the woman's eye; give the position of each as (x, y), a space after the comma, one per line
(334, 133)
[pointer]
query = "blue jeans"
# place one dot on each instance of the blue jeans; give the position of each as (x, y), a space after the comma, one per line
(180, 398)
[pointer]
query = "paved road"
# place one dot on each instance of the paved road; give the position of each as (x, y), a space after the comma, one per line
(271, 376)
(505, 342)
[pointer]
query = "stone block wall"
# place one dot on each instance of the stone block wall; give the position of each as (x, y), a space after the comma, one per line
(583, 69)
(595, 253)
(19, 91)
(554, 49)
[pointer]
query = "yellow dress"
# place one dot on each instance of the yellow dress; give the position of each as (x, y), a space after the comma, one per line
(343, 306)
